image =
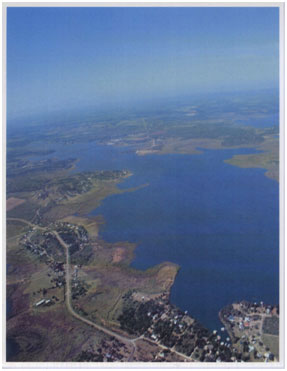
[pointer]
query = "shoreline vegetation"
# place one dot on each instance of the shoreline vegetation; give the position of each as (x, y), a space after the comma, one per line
(267, 158)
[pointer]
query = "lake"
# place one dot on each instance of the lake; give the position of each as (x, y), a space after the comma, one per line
(219, 222)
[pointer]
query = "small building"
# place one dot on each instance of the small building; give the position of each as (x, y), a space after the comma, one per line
(40, 302)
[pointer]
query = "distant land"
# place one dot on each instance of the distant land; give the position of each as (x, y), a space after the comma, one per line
(215, 122)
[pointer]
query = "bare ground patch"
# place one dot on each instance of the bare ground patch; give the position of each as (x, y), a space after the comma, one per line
(13, 202)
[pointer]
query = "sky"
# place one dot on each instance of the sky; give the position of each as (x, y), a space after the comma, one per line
(61, 58)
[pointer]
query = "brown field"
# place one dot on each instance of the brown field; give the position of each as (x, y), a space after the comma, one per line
(118, 255)
(14, 229)
(13, 202)
(51, 335)
(272, 341)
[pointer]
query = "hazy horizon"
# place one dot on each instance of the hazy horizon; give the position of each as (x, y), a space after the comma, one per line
(144, 106)
(62, 58)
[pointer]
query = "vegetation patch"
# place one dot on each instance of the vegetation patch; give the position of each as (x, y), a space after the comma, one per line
(271, 325)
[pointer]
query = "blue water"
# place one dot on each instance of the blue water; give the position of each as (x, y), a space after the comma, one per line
(217, 221)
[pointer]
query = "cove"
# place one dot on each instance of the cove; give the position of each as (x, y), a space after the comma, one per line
(218, 222)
